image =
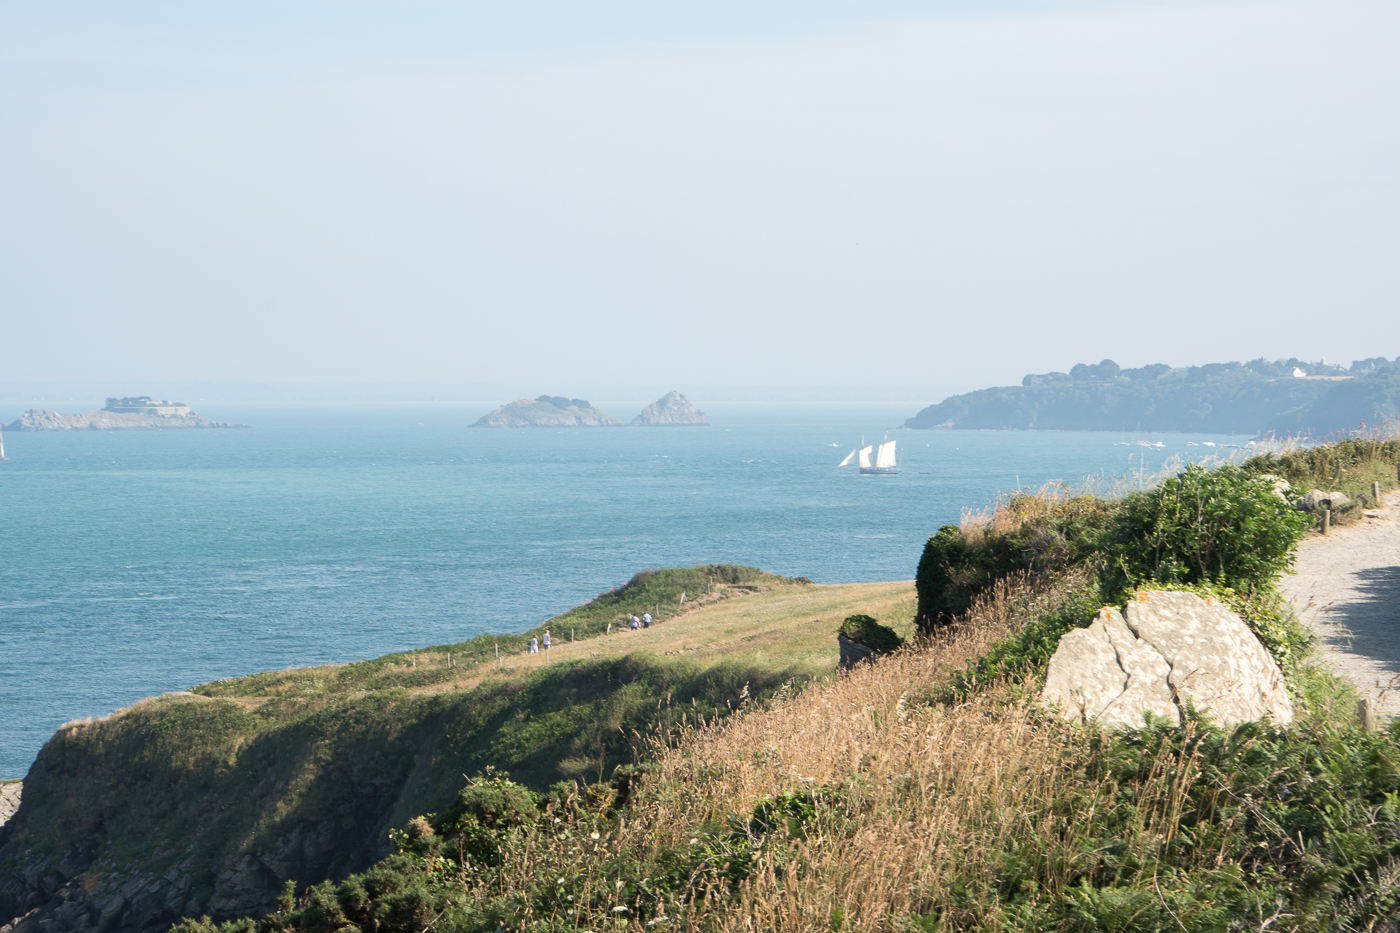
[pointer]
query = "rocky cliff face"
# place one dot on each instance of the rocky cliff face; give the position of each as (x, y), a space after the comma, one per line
(44, 419)
(166, 842)
(671, 408)
(547, 411)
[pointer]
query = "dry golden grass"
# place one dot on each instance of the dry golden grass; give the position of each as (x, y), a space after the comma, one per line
(939, 787)
(940, 794)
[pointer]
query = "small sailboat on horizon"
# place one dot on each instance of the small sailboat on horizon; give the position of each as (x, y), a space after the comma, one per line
(2, 446)
(886, 460)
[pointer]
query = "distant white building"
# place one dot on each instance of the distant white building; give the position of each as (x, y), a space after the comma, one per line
(1298, 373)
(146, 405)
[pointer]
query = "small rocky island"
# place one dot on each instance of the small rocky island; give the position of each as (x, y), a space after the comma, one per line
(554, 411)
(671, 408)
(141, 413)
(547, 411)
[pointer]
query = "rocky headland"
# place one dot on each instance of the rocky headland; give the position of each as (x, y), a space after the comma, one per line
(207, 802)
(45, 419)
(673, 408)
(1283, 397)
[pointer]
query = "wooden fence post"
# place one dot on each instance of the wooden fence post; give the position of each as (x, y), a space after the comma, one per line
(1366, 712)
(1326, 520)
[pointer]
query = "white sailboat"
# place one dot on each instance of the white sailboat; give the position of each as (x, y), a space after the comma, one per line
(2, 446)
(886, 460)
(863, 452)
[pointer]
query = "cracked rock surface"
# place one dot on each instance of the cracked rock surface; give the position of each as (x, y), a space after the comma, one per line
(1166, 651)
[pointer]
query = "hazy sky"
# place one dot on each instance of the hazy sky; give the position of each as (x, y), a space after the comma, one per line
(563, 194)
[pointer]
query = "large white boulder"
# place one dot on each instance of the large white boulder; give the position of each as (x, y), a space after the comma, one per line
(1171, 649)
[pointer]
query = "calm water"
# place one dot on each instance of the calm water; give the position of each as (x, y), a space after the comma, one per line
(134, 563)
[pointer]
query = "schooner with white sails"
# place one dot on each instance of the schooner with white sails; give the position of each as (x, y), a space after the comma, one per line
(886, 460)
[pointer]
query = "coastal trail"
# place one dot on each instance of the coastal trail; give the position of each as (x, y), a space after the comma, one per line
(791, 625)
(1345, 587)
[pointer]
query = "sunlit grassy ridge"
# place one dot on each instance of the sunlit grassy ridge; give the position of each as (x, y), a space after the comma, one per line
(237, 765)
(658, 592)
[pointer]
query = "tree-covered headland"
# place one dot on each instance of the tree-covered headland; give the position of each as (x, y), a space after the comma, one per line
(1281, 397)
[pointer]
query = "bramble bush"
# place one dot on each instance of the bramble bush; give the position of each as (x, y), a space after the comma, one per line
(1224, 526)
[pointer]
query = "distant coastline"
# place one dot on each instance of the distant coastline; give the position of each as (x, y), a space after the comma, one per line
(1261, 397)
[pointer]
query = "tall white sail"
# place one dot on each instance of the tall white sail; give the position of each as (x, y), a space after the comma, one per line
(865, 457)
(885, 458)
(850, 459)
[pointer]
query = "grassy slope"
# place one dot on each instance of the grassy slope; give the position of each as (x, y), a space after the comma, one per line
(245, 762)
(860, 804)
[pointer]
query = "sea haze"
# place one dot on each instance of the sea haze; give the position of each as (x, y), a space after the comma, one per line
(139, 562)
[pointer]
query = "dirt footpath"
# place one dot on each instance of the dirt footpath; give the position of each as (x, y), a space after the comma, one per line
(1346, 588)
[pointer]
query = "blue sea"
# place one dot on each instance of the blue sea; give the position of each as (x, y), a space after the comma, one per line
(135, 563)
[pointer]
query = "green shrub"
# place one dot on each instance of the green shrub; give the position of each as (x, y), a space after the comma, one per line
(486, 809)
(869, 632)
(1040, 533)
(1224, 526)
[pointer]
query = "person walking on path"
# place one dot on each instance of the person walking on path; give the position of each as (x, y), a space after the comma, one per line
(634, 623)
(646, 620)
(546, 641)
(534, 645)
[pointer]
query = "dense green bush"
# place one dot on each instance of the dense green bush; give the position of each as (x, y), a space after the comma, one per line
(1035, 533)
(871, 633)
(1224, 526)
(485, 810)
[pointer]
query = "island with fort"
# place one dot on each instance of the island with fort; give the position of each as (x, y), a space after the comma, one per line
(119, 414)
(553, 411)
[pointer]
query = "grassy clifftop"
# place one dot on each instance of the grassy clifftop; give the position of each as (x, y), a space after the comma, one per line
(233, 788)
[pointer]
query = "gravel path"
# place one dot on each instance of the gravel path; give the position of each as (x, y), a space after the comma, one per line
(1346, 588)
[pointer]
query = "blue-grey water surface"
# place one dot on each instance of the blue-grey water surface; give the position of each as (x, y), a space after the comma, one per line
(137, 562)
